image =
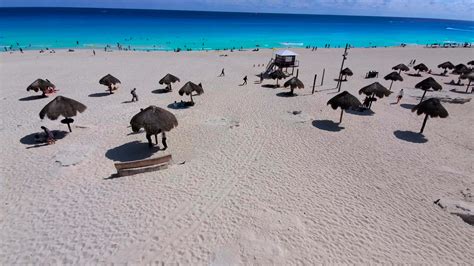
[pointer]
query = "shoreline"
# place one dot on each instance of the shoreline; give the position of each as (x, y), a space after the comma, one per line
(47, 51)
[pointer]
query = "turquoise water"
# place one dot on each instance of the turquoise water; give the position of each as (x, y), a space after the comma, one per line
(38, 28)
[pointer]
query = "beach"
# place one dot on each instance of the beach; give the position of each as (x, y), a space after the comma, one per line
(251, 182)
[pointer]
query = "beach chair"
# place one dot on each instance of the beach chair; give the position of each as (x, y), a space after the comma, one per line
(142, 166)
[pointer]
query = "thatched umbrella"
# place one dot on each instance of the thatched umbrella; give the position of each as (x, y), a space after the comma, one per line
(110, 81)
(277, 74)
(189, 88)
(446, 65)
(461, 69)
(375, 89)
(346, 72)
(470, 62)
(400, 68)
(431, 107)
(394, 76)
(344, 100)
(168, 79)
(420, 67)
(42, 85)
(470, 77)
(293, 83)
(62, 106)
(426, 84)
(154, 120)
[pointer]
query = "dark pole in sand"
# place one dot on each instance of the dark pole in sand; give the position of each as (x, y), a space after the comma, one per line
(297, 72)
(314, 82)
(424, 123)
(322, 78)
(344, 57)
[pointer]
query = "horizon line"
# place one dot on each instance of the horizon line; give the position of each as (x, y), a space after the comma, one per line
(238, 12)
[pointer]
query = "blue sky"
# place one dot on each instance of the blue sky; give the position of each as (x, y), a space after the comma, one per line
(449, 9)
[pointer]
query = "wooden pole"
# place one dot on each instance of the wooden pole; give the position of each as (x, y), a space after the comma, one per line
(391, 83)
(423, 96)
(340, 118)
(314, 82)
(344, 57)
(322, 78)
(297, 72)
(424, 123)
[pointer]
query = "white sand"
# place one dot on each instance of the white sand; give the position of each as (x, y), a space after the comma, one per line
(259, 186)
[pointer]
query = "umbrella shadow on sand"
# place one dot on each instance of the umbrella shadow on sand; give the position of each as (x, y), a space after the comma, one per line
(461, 92)
(38, 139)
(131, 151)
(180, 105)
(161, 91)
(410, 136)
(32, 98)
(286, 94)
(361, 112)
(99, 94)
(271, 86)
(407, 105)
(327, 125)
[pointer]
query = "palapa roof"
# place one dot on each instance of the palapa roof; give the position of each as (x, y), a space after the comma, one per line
(189, 88)
(62, 106)
(347, 71)
(294, 82)
(344, 100)
(394, 76)
(154, 120)
(401, 67)
(40, 85)
(168, 79)
(421, 67)
(470, 62)
(429, 83)
(468, 75)
(431, 107)
(377, 88)
(285, 53)
(447, 65)
(461, 69)
(277, 74)
(108, 80)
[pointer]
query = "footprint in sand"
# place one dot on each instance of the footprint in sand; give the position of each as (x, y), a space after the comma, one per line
(223, 121)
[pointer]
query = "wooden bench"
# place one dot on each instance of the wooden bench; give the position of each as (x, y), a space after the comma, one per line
(142, 166)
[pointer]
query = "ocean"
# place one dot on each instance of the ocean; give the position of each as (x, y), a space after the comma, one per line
(39, 28)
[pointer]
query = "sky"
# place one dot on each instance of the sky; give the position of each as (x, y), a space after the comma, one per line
(443, 9)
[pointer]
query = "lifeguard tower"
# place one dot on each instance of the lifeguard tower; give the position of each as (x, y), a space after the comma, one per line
(283, 60)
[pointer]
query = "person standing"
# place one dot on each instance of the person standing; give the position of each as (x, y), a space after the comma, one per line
(134, 95)
(222, 73)
(93, 51)
(245, 81)
(399, 96)
(49, 136)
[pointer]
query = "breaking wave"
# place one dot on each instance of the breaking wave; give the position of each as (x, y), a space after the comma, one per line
(457, 29)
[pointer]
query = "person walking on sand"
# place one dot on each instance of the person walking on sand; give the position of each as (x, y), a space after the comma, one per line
(93, 52)
(245, 81)
(134, 95)
(399, 96)
(222, 73)
(49, 136)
